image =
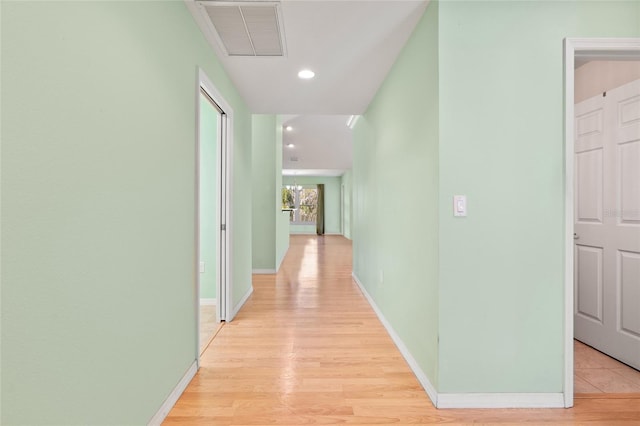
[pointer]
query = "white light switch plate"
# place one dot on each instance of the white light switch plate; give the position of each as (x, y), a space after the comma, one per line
(459, 205)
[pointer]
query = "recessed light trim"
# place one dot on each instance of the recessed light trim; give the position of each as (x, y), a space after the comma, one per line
(306, 74)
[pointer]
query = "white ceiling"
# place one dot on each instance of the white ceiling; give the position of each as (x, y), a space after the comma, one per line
(322, 144)
(350, 45)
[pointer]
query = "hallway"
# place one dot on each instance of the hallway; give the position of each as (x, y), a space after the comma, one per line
(308, 349)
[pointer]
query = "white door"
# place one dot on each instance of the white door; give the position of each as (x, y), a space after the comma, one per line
(607, 223)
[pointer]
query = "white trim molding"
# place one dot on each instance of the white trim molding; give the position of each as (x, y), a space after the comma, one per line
(208, 302)
(241, 303)
(263, 271)
(224, 239)
(500, 400)
(334, 234)
(413, 364)
(279, 262)
(173, 397)
(463, 400)
(586, 48)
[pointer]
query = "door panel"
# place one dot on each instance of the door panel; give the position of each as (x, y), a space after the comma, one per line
(590, 186)
(607, 223)
(629, 264)
(629, 179)
(589, 279)
(590, 125)
(589, 216)
(630, 111)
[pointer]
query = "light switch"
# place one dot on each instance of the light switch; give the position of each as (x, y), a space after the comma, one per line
(459, 205)
(202, 267)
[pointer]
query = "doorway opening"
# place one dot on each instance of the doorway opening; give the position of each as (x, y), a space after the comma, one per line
(213, 231)
(602, 237)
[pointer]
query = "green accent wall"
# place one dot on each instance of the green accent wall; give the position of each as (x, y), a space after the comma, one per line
(270, 233)
(208, 188)
(501, 144)
(331, 202)
(264, 188)
(474, 106)
(98, 207)
(395, 195)
(347, 183)
(282, 218)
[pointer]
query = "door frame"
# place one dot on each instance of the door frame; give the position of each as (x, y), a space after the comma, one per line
(224, 154)
(593, 48)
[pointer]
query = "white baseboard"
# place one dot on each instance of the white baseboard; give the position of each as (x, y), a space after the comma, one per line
(263, 271)
(314, 233)
(464, 400)
(279, 262)
(500, 400)
(208, 302)
(413, 364)
(173, 397)
(270, 271)
(241, 303)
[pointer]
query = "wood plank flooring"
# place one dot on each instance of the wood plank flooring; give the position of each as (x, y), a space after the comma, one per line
(308, 349)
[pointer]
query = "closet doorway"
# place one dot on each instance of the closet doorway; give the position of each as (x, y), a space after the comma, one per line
(602, 214)
(212, 211)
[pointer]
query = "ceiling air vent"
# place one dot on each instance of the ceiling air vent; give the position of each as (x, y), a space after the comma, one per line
(247, 28)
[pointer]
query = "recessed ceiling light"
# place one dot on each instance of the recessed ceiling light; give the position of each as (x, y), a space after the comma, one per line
(290, 145)
(306, 74)
(288, 128)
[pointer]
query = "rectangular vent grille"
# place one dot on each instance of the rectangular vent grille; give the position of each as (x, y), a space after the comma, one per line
(247, 29)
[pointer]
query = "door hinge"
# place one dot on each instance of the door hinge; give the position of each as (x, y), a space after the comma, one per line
(223, 227)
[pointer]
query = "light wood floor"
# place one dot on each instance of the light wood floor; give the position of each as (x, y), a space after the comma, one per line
(308, 349)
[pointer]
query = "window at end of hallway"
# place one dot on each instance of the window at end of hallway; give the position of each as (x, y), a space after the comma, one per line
(304, 204)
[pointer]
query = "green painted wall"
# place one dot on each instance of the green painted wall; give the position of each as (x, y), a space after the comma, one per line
(282, 219)
(331, 202)
(395, 195)
(270, 233)
(98, 220)
(347, 184)
(208, 188)
(282, 237)
(474, 105)
(501, 144)
(264, 190)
